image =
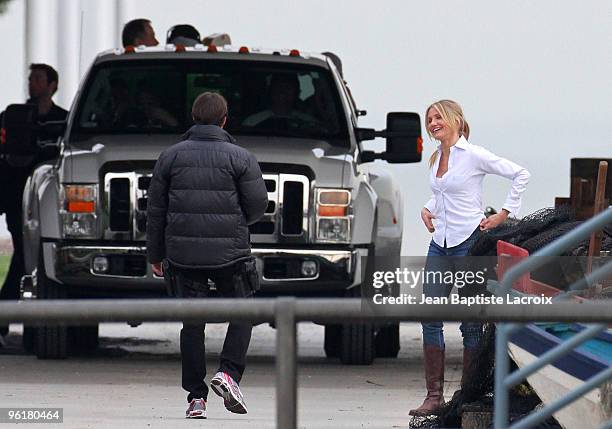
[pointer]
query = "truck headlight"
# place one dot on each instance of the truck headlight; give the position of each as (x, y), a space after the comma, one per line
(333, 215)
(78, 211)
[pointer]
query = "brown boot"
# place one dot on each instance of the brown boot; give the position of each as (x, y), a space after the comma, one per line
(434, 380)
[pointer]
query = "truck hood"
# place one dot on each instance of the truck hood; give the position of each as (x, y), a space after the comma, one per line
(82, 161)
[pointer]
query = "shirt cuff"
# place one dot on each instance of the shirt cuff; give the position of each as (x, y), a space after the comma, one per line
(431, 205)
(513, 210)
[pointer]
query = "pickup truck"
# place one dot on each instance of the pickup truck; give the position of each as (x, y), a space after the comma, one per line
(334, 215)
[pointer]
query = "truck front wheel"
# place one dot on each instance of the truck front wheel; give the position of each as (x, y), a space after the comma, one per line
(51, 341)
(357, 340)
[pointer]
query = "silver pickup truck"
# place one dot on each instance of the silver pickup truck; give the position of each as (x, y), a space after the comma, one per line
(331, 208)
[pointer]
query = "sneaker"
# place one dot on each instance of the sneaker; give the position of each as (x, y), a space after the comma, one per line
(196, 410)
(225, 386)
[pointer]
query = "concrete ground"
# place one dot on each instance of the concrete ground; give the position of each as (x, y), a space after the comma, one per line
(134, 381)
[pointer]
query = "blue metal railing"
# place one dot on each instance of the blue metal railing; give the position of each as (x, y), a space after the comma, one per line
(503, 381)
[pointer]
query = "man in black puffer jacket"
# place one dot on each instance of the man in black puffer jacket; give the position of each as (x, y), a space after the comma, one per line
(204, 193)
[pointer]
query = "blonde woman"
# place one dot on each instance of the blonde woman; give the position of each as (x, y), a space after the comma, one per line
(454, 215)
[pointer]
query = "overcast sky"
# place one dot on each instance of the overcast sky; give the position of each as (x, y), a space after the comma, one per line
(533, 76)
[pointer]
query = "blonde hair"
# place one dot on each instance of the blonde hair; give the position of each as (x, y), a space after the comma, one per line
(451, 113)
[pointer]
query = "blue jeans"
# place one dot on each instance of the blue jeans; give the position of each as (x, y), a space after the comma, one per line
(443, 259)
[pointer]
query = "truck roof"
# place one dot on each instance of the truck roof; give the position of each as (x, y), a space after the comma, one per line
(222, 52)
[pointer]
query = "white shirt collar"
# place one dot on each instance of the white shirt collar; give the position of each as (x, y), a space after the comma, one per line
(462, 143)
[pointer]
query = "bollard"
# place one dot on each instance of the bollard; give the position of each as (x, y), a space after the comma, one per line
(286, 367)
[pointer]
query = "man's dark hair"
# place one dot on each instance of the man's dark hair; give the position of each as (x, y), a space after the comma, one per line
(52, 75)
(132, 30)
(209, 108)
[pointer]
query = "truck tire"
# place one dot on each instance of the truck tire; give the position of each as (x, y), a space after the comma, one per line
(332, 339)
(357, 340)
(84, 339)
(28, 339)
(388, 341)
(51, 341)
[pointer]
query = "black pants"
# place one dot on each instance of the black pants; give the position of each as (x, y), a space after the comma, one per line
(194, 284)
(12, 196)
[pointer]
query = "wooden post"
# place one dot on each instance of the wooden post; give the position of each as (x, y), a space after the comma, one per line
(598, 206)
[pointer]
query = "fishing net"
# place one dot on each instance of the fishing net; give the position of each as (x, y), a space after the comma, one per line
(526, 229)
(536, 231)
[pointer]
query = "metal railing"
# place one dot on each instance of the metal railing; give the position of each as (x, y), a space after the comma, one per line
(503, 381)
(286, 313)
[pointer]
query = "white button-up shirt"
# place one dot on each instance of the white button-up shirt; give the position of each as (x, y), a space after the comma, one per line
(457, 195)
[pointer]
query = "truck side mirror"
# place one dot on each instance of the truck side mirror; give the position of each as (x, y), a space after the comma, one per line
(404, 141)
(19, 130)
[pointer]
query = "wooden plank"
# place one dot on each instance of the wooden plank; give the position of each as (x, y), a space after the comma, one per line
(588, 168)
(576, 194)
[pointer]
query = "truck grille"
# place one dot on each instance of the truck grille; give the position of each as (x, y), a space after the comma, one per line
(126, 205)
(286, 217)
(119, 204)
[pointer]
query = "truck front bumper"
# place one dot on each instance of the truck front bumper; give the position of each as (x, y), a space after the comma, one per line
(282, 271)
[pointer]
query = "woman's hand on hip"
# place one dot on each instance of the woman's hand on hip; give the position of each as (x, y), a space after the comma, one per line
(493, 220)
(427, 219)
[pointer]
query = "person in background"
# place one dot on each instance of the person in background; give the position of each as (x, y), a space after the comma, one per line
(42, 85)
(455, 216)
(204, 193)
(138, 32)
(150, 104)
(284, 91)
(183, 34)
(14, 171)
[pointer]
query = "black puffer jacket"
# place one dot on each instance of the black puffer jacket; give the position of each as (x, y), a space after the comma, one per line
(204, 192)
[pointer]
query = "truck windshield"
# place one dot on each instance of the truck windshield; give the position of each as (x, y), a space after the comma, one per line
(264, 98)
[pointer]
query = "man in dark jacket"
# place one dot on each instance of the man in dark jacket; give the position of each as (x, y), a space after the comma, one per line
(204, 193)
(14, 171)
